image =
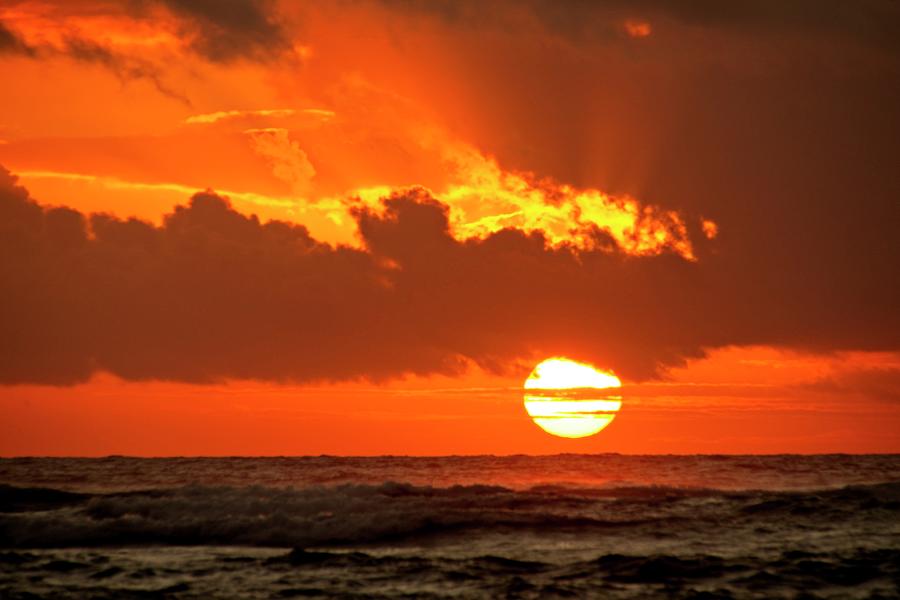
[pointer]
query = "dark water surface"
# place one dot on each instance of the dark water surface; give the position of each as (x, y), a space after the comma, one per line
(521, 526)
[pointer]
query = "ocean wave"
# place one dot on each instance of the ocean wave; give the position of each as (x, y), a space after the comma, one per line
(785, 472)
(355, 514)
(208, 572)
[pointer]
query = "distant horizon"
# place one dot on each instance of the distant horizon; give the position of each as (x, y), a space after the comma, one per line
(149, 457)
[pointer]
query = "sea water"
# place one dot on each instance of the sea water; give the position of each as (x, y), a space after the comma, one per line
(607, 526)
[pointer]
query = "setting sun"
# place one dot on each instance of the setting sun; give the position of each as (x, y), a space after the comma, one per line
(341, 299)
(569, 399)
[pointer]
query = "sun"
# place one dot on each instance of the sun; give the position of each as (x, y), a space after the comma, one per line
(571, 399)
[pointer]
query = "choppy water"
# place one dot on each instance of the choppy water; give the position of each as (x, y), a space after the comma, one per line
(551, 526)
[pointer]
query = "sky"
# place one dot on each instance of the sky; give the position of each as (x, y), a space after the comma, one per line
(276, 228)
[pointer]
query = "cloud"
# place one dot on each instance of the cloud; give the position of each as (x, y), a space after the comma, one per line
(139, 39)
(777, 121)
(226, 31)
(637, 29)
(780, 132)
(10, 43)
(879, 384)
(871, 22)
(118, 184)
(155, 280)
(124, 67)
(86, 50)
(212, 294)
(215, 117)
(289, 162)
(223, 115)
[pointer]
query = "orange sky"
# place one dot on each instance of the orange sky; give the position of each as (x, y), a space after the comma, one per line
(696, 200)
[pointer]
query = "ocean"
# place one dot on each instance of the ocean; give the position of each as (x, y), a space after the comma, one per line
(564, 526)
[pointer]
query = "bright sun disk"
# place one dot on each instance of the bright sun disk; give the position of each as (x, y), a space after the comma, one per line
(571, 399)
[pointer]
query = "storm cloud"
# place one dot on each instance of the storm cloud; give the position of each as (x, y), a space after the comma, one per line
(212, 295)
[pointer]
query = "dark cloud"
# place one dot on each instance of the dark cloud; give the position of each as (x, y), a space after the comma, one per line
(873, 384)
(785, 131)
(124, 67)
(10, 43)
(212, 294)
(225, 31)
(778, 120)
(871, 22)
(867, 21)
(217, 31)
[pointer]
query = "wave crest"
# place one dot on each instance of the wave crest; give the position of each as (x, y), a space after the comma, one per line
(353, 514)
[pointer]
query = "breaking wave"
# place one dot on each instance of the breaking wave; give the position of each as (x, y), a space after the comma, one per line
(349, 514)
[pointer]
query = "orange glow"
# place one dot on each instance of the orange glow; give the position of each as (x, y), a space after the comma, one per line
(482, 200)
(488, 199)
(599, 138)
(562, 398)
(739, 400)
(637, 29)
(352, 145)
(40, 24)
